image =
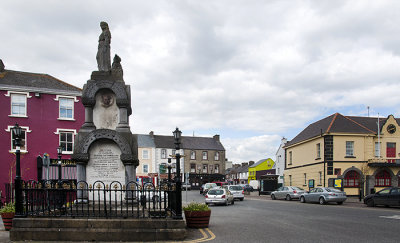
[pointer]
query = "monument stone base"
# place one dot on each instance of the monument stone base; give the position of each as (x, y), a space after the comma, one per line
(107, 230)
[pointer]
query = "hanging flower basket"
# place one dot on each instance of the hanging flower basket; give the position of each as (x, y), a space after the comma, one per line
(197, 215)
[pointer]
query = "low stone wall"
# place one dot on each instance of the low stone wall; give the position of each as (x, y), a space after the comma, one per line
(68, 229)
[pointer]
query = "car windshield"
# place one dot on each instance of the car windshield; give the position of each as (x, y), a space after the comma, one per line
(215, 192)
(298, 188)
(210, 185)
(330, 189)
(235, 188)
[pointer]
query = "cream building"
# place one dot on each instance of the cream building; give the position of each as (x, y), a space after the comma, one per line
(349, 148)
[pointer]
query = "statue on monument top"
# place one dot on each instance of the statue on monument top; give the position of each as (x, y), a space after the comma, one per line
(116, 69)
(103, 53)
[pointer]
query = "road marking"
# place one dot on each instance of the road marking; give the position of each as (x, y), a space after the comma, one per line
(391, 217)
(206, 237)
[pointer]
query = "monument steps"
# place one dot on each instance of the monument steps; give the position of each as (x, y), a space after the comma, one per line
(67, 229)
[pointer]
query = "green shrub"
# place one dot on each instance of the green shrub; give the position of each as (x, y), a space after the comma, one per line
(8, 208)
(193, 206)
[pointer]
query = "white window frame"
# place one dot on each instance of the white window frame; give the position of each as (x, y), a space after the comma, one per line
(163, 153)
(26, 130)
(192, 155)
(349, 149)
(26, 94)
(192, 170)
(145, 170)
(74, 100)
(216, 156)
(204, 155)
(216, 169)
(318, 150)
(145, 154)
(205, 166)
(66, 130)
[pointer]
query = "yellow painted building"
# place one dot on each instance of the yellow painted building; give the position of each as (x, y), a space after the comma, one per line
(262, 167)
(349, 148)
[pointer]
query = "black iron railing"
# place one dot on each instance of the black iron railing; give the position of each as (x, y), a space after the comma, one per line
(98, 200)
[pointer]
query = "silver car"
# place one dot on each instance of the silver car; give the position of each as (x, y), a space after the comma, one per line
(219, 196)
(287, 192)
(237, 191)
(324, 195)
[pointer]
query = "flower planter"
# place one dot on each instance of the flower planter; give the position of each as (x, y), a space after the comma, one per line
(7, 220)
(197, 219)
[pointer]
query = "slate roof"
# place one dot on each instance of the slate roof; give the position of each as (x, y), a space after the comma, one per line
(337, 123)
(35, 82)
(243, 169)
(200, 143)
(145, 141)
(257, 163)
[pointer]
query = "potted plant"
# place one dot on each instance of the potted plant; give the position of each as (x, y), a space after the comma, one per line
(197, 215)
(7, 214)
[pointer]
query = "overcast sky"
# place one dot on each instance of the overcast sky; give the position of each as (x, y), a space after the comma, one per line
(251, 71)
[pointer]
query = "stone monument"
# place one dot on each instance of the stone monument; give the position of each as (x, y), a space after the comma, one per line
(105, 148)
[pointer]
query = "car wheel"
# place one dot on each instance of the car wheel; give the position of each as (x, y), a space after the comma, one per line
(322, 201)
(302, 200)
(233, 202)
(288, 198)
(370, 203)
(339, 203)
(241, 199)
(273, 197)
(226, 203)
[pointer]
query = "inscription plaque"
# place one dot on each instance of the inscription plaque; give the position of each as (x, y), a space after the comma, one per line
(105, 163)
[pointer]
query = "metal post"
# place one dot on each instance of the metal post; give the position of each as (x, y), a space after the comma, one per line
(19, 207)
(59, 151)
(169, 170)
(177, 136)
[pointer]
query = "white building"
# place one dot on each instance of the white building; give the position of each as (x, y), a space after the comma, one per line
(280, 161)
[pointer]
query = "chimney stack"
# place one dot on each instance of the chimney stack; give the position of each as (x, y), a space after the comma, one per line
(251, 162)
(216, 138)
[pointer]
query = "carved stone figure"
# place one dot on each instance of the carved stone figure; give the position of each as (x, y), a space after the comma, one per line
(103, 53)
(116, 69)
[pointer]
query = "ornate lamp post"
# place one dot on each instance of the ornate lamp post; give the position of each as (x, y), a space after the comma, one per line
(17, 134)
(59, 151)
(177, 137)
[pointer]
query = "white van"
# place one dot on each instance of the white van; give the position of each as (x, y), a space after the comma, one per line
(255, 184)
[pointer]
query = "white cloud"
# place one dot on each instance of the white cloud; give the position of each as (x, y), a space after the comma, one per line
(251, 71)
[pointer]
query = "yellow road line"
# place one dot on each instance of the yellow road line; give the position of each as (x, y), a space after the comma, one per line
(204, 238)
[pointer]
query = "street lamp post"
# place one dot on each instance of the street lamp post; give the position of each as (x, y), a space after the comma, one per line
(169, 170)
(17, 133)
(59, 151)
(177, 137)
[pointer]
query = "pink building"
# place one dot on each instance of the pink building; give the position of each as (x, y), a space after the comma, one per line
(50, 112)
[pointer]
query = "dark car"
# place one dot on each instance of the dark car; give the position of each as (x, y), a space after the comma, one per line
(246, 187)
(389, 196)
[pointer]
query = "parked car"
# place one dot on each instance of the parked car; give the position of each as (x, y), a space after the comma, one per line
(205, 187)
(186, 187)
(287, 192)
(247, 187)
(324, 195)
(219, 196)
(388, 197)
(237, 191)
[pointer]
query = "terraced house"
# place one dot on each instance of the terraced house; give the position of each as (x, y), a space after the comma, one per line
(360, 150)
